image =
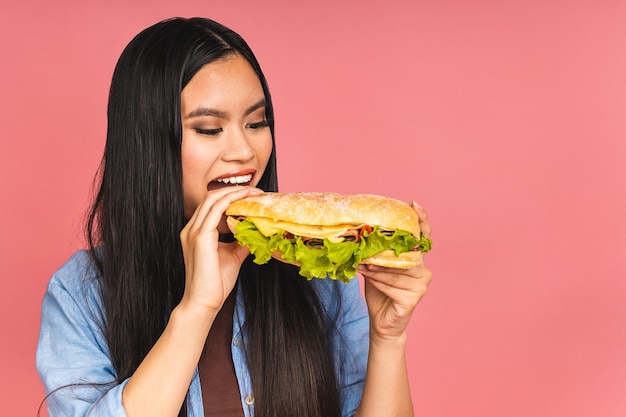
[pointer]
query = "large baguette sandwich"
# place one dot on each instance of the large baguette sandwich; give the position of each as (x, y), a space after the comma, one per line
(328, 234)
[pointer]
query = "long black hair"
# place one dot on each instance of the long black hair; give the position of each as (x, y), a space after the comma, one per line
(134, 225)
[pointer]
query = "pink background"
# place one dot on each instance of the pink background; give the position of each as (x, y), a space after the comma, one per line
(505, 119)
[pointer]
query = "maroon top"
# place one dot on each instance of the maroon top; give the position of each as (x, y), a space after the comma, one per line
(220, 390)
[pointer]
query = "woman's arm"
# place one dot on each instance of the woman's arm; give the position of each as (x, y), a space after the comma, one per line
(72, 354)
(159, 385)
(386, 390)
(391, 295)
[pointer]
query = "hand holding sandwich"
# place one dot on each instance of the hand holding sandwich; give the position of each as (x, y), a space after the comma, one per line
(211, 266)
(392, 294)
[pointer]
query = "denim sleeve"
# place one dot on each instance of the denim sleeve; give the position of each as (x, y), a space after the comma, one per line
(72, 356)
(351, 341)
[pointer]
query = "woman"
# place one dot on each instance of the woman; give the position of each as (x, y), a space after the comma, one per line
(165, 315)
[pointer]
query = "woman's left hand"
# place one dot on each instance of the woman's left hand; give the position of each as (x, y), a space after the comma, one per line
(392, 294)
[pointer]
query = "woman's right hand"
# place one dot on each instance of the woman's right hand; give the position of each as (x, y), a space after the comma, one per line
(159, 385)
(211, 266)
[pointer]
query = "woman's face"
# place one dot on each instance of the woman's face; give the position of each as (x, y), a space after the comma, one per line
(226, 138)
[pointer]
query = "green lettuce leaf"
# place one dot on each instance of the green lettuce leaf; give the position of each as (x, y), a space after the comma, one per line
(247, 234)
(333, 260)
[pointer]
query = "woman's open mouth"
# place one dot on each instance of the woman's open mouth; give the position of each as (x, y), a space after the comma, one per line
(229, 181)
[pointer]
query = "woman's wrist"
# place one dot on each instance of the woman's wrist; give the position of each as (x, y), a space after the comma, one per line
(386, 390)
(188, 314)
(385, 341)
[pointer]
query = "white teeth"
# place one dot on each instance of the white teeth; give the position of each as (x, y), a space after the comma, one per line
(236, 180)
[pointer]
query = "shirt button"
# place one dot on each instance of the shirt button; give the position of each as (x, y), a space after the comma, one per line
(236, 341)
(249, 399)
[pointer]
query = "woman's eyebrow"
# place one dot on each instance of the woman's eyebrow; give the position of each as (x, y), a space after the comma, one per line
(205, 111)
(261, 103)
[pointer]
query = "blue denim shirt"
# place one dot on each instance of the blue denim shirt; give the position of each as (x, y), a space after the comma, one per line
(72, 348)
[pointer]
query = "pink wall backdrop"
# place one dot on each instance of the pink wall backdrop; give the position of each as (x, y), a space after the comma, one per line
(505, 119)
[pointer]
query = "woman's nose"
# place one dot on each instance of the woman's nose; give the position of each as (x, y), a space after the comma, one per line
(238, 147)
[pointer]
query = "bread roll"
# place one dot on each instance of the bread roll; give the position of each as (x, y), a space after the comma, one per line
(313, 218)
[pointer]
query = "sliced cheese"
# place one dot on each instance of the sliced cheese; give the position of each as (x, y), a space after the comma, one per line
(270, 227)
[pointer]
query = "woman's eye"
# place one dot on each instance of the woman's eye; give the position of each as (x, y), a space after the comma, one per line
(209, 132)
(258, 125)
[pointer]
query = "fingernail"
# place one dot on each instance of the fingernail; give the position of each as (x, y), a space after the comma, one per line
(369, 267)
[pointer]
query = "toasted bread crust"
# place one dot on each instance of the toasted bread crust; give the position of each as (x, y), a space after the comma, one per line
(322, 208)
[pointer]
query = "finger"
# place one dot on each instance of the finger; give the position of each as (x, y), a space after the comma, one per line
(404, 279)
(423, 219)
(216, 202)
(403, 301)
(205, 205)
(239, 252)
(209, 200)
(201, 221)
(408, 279)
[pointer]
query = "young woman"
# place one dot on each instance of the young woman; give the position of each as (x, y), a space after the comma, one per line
(164, 315)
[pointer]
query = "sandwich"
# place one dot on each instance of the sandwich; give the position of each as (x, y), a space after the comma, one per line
(328, 234)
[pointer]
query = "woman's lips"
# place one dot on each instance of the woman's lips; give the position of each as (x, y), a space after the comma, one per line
(239, 178)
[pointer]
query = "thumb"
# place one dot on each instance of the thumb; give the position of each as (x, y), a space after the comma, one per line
(238, 252)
